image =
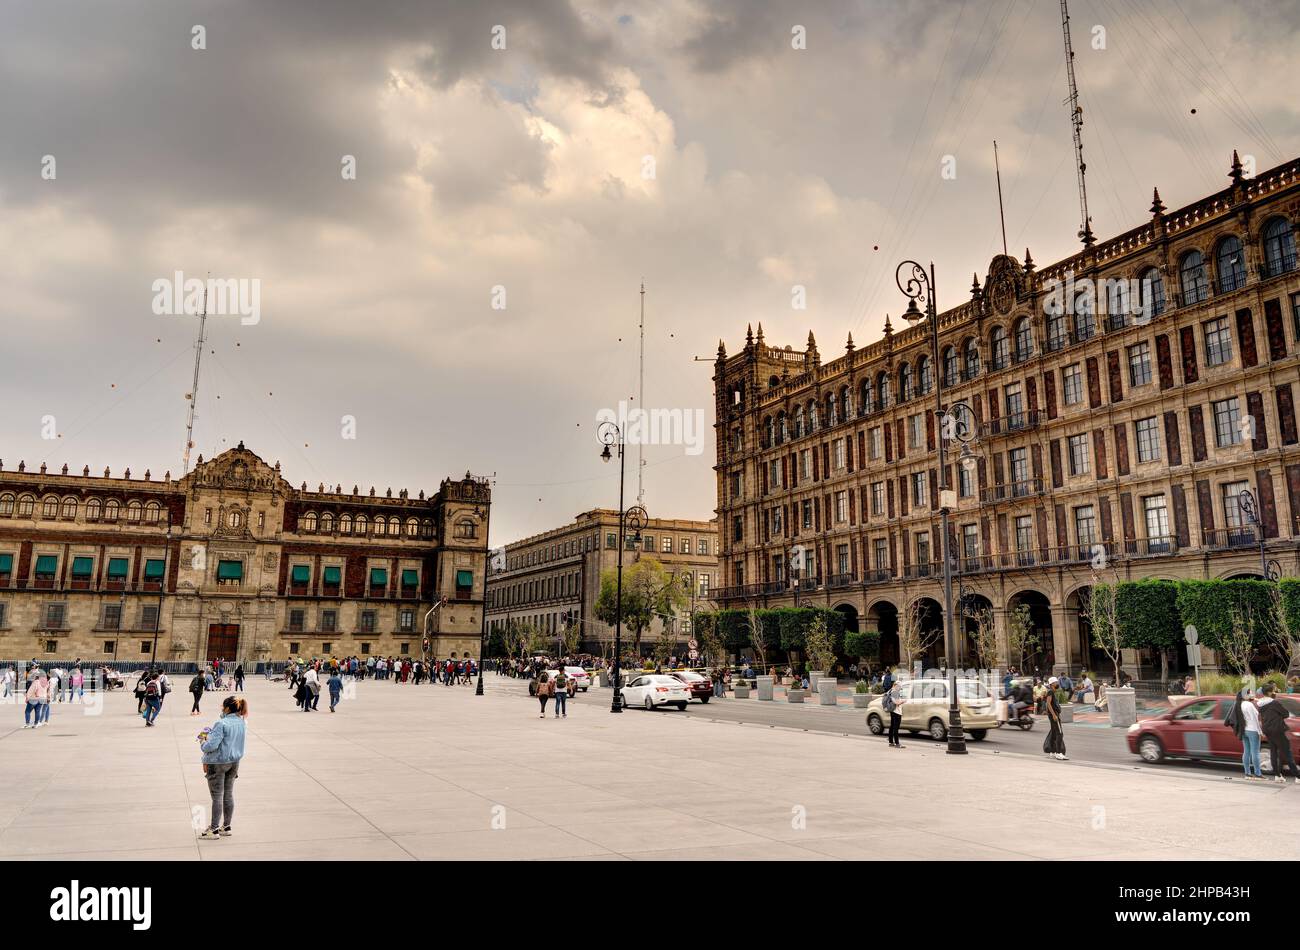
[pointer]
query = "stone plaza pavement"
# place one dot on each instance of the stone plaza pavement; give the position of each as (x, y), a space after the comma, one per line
(402, 772)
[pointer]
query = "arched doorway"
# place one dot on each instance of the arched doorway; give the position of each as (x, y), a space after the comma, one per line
(921, 634)
(1031, 612)
(976, 612)
(883, 616)
(850, 615)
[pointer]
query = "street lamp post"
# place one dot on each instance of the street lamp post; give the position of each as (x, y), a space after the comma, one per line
(1246, 503)
(484, 511)
(918, 284)
(157, 619)
(635, 517)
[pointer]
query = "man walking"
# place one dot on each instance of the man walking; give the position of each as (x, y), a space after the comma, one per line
(1272, 722)
(336, 688)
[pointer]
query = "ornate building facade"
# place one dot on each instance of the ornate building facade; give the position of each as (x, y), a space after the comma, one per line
(552, 579)
(1124, 398)
(232, 561)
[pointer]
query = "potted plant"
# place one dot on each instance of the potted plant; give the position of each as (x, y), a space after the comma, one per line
(861, 695)
(794, 693)
(741, 688)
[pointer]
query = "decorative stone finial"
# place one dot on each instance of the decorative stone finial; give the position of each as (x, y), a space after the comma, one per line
(372, 491)
(1157, 206)
(1235, 173)
(106, 471)
(421, 494)
(85, 472)
(390, 493)
(722, 350)
(1029, 263)
(848, 347)
(760, 333)
(22, 466)
(354, 490)
(65, 468)
(42, 468)
(320, 489)
(146, 474)
(127, 474)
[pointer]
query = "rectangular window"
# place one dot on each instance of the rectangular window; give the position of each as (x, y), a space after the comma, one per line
(1079, 462)
(82, 567)
(149, 617)
(1024, 535)
(47, 566)
(805, 465)
(367, 621)
(965, 481)
(464, 581)
(117, 567)
(54, 614)
(406, 620)
(1085, 527)
(777, 527)
(807, 513)
(915, 430)
(842, 509)
(839, 453)
(842, 560)
(882, 556)
(296, 620)
(1019, 459)
(704, 585)
(6, 566)
(1015, 402)
(611, 540)
(703, 547)
(300, 575)
(230, 572)
(1072, 385)
(668, 546)
(923, 552)
(875, 442)
(1156, 516)
(1148, 439)
(685, 546)
(109, 645)
(329, 621)
(326, 647)
(332, 578)
(738, 528)
(877, 498)
(970, 542)
(1227, 423)
(410, 580)
(153, 569)
(112, 616)
(1139, 364)
(920, 494)
(1218, 342)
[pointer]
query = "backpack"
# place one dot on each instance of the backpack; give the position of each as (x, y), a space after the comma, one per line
(888, 703)
(151, 690)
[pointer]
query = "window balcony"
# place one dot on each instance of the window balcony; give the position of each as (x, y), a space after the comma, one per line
(1231, 282)
(1010, 492)
(1023, 421)
(1277, 267)
(976, 564)
(840, 581)
(1225, 539)
(1166, 546)
(809, 583)
(880, 575)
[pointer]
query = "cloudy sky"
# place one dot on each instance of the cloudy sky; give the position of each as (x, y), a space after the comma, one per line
(528, 168)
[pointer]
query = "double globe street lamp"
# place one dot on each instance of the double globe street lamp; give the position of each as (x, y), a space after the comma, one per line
(634, 520)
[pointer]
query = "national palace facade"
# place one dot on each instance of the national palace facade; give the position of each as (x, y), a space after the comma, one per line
(233, 562)
(1123, 398)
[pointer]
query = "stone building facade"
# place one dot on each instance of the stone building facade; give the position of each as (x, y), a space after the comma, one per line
(1123, 399)
(232, 561)
(552, 579)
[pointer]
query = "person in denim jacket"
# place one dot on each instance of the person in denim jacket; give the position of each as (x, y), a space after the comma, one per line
(222, 750)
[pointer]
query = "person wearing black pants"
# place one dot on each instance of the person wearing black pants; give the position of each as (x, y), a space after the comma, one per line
(894, 704)
(1272, 718)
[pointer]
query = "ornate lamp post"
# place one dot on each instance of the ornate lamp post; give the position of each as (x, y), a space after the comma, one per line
(1246, 503)
(917, 284)
(483, 509)
(634, 518)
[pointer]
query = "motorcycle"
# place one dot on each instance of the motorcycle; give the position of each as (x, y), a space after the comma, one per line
(1025, 720)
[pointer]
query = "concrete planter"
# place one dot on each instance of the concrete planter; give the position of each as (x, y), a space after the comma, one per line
(826, 688)
(765, 688)
(862, 700)
(1067, 713)
(741, 690)
(814, 677)
(1121, 701)
(796, 695)
(603, 677)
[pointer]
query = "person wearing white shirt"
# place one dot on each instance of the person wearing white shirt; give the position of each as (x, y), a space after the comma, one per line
(1250, 737)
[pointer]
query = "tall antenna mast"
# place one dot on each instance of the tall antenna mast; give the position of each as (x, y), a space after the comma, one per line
(1001, 214)
(640, 398)
(1076, 119)
(194, 387)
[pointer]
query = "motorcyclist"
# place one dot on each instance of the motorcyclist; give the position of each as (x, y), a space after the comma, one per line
(1022, 696)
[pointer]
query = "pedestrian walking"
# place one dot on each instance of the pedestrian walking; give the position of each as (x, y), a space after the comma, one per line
(1272, 720)
(336, 688)
(561, 695)
(76, 685)
(1243, 719)
(197, 686)
(239, 678)
(544, 690)
(37, 695)
(1054, 744)
(223, 748)
(152, 699)
(893, 704)
(8, 678)
(140, 685)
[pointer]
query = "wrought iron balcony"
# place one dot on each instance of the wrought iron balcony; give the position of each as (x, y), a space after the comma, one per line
(1022, 489)
(838, 581)
(1023, 421)
(1221, 539)
(1166, 546)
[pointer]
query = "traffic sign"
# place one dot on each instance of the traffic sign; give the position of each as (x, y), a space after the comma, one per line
(1190, 635)
(1193, 655)
(693, 644)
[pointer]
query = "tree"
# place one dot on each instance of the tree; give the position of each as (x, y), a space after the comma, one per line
(648, 591)
(1022, 640)
(706, 632)
(820, 644)
(1148, 617)
(733, 628)
(863, 644)
(914, 639)
(1101, 608)
(569, 638)
(985, 636)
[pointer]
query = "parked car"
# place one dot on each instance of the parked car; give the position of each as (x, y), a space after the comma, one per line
(581, 679)
(1194, 729)
(700, 687)
(926, 709)
(655, 689)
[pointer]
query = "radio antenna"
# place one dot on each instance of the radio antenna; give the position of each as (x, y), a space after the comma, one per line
(1076, 120)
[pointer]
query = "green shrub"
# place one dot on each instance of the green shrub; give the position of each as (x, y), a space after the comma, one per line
(1215, 683)
(861, 687)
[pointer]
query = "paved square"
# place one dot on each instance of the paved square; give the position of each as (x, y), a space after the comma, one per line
(404, 772)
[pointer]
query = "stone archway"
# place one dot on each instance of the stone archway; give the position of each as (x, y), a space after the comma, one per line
(883, 616)
(850, 615)
(927, 614)
(971, 609)
(1040, 653)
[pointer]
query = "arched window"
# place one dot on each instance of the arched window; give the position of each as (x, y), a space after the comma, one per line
(1024, 346)
(345, 524)
(69, 508)
(925, 374)
(1057, 336)
(770, 428)
(1230, 264)
(950, 370)
(782, 432)
(846, 403)
(381, 525)
(972, 359)
(426, 529)
(412, 527)
(363, 525)
(905, 382)
(309, 522)
(1153, 294)
(111, 509)
(1279, 247)
(235, 519)
(50, 507)
(999, 348)
(864, 397)
(812, 416)
(832, 417)
(798, 422)
(1191, 278)
(882, 391)
(94, 508)
(134, 511)
(153, 512)
(327, 523)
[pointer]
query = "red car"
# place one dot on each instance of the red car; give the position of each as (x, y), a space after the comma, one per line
(1194, 729)
(701, 687)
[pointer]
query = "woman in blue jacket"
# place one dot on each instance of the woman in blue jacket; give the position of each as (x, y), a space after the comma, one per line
(222, 751)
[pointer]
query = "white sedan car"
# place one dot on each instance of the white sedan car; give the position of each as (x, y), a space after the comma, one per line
(651, 690)
(580, 679)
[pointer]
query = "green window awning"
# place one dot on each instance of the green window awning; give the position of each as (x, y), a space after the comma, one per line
(153, 569)
(230, 570)
(464, 578)
(410, 578)
(46, 564)
(378, 577)
(301, 574)
(116, 568)
(82, 566)
(6, 563)
(333, 575)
